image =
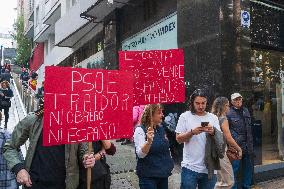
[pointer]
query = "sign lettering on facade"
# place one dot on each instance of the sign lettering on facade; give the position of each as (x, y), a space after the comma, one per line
(161, 36)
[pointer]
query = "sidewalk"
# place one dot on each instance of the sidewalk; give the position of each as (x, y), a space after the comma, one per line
(123, 163)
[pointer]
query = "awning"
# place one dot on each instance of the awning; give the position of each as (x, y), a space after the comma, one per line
(101, 9)
(80, 34)
(30, 31)
(37, 58)
(53, 15)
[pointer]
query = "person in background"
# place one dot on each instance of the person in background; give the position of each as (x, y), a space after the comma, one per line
(240, 128)
(6, 76)
(101, 178)
(7, 67)
(154, 162)
(5, 103)
(137, 114)
(40, 93)
(7, 178)
(33, 81)
(24, 77)
(225, 177)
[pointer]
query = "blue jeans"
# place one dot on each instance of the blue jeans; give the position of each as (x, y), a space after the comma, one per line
(153, 183)
(191, 179)
(247, 171)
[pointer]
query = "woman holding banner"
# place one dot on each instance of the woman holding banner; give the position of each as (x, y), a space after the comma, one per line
(101, 178)
(154, 163)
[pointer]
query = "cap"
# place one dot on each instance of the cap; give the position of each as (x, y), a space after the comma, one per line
(235, 95)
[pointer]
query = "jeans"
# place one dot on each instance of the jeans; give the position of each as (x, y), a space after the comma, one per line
(153, 183)
(247, 172)
(191, 179)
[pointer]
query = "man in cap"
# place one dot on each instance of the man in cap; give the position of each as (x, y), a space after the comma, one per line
(240, 127)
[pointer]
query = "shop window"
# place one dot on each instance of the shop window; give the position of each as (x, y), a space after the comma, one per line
(266, 105)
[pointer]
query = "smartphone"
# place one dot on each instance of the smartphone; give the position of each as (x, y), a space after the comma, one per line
(204, 124)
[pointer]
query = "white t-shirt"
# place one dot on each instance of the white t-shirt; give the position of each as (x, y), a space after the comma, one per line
(194, 150)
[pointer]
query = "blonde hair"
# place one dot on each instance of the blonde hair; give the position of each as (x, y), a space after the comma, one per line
(218, 107)
(148, 113)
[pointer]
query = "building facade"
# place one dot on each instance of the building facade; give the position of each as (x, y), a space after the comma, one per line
(229, 46)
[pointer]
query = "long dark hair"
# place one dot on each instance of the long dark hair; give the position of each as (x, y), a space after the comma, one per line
(196, 93)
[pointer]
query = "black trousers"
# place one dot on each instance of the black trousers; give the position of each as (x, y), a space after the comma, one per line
(6, 113)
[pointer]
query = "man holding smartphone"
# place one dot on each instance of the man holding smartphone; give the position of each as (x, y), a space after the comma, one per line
(191, 130)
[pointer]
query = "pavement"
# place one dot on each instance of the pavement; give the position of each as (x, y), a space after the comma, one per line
(122, 164)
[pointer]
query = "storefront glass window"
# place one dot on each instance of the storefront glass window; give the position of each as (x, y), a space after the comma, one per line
(266, 105)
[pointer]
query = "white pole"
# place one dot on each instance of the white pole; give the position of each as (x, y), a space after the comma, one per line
(2, 60)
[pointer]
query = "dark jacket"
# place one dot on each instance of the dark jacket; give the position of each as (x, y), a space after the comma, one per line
(240, 128)
(214, 151)
(158, 162)
(8, 94)
(101, 178)
(6, 76)
(40, 93)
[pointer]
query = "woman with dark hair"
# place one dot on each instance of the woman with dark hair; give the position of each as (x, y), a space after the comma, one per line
(154, 164)
(225, 176)
(5, 95)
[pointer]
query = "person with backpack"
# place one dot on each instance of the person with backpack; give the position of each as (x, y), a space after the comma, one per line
(7, 178)
(25, 77)
(154, 162)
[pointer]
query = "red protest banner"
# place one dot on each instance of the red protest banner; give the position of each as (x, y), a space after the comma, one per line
(158, 75)
(86, 105)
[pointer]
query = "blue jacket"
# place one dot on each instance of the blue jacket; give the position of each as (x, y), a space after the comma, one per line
(240, 128)
(158, 162)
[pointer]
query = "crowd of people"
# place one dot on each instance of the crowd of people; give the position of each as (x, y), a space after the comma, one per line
(29, 78)
(217, 145)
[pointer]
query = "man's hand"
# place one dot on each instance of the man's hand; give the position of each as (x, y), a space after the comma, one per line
(23, 178)
(197, 130)
(89, 160)
(209, 129)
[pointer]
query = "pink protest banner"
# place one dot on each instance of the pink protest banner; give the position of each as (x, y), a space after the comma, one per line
(158, 75)
(83, 105)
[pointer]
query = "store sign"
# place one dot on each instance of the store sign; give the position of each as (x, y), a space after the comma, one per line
(245, 19)
(86, 105)
(93, 61)
(160, 36)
